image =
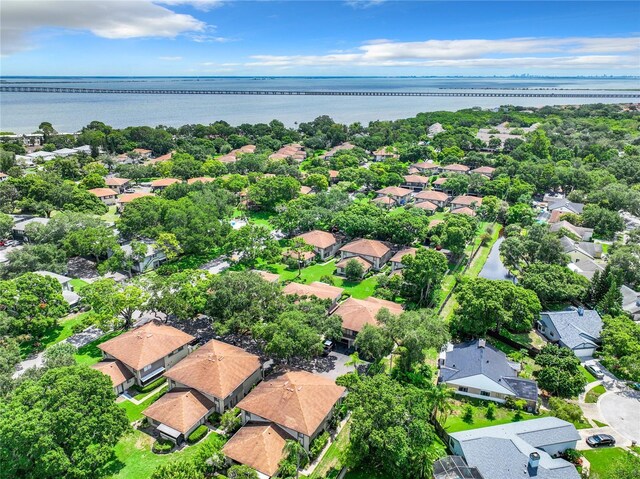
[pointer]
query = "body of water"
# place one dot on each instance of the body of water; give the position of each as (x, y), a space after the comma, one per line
(494, 268)
(68, 112)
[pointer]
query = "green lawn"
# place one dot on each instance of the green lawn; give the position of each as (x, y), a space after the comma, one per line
(90, 353)
(526, 339)
(357, 289)
(602, 459)
(590, 377)
(134, 459)
(594, 393)
(54, 335)
(111, 215)
(602, 424)
(77, 283)
(134, 411)
(503, 415)
(331, 460)
(256, 217)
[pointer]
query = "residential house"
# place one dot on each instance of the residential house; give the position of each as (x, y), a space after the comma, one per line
(585, 257)
(487, 171)
(334, 176)
(298, 402)
(325, 244)
(385, 202)
(223, 373)
(159, 159)
(152, 258)
(341, 266)
(524, 449)
(426, 206)
(121, 378)
(342, 146)
(163, 183)
(125, 199)
(355, 313)
(106, 195)
(386, 153)
(454, 467)
(148, 351)
(416, 182)
(438, 198)
(306, 190)
(584, 234)
(200, 179)
(396, 259)
(585, 267)
(143, 153)
(438, 185)
(305, 258)
(267, 276)
(41, 155)
(428, 167)
(631, 302)
(19, 230)
(64, 152)
(455, 168)
(3, 177)
(70, 296)
(375, 252)
(399, 195)
(178, 413)
(316, 289)
(434, 129)
(576, 329)
(565, 206)
(463, 201)
(478, 370)
(117, 184)
(465, 210)
(294, 151)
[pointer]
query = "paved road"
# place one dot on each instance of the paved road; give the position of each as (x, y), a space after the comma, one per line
(621, 410)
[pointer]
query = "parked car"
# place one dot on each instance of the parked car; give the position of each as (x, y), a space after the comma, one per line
(130, 190)
(595, 370)
(601, 440)
(327, 347)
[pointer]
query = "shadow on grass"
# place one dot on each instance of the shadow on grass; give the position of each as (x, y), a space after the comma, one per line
(91, 353)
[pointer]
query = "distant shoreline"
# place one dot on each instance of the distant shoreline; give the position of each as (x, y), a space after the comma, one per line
(268, 77)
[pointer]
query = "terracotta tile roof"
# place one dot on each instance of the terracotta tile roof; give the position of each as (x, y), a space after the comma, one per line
(355, 313)
(142, 151)
(129, 197)
(440, 181)
(302, 255)
(164, 182)
(465, 210)
(433, 223)
(367, 247)
(426, 205)
(416, 179)
(365, 264)
(466, 200)
(216, 368)
(333, 173)
(425, 165)
(317, 289)
(455, 167)
(318, 238)
(201, 179)
(180, 409)
(144, 345)
(227, 158)
(385, 151)
(159, 159)
(259, 446)
(113, 181)
(270, 277)
(297, 400)
(397, 258)
(394, 191)
(4, 175)
(555, 216)
(431, 195)
(305, 190)
(385, 200)
(484, 170)
(102, 192)
(117, 371)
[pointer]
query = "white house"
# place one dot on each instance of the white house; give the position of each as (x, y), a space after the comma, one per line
(576, 329)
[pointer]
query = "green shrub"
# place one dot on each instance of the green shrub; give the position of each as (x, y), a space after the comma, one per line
(490, 413)
(565, 410)
(573, 456)
(162, 446)
(231, 420)
(149, 387)
(214, 419)
(318, 444)
(468, 414)
(199, 433)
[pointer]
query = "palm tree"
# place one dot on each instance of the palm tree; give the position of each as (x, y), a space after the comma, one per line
(354, 361)
(440, 397)
(292, 448)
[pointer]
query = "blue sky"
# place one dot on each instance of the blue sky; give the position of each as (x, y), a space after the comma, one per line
(217, 37)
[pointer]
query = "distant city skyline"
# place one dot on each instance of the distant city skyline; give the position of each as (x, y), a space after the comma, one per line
(308, 38)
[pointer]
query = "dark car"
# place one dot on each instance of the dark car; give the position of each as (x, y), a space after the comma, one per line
(327, 347)
(601, 440)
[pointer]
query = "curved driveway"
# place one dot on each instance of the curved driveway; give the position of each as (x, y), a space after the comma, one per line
(621, 411)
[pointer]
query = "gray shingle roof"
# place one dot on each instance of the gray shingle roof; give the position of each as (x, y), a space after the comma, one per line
(574, 329)
(565, 203)
(468, 359)
(590, 249)
(515, 441)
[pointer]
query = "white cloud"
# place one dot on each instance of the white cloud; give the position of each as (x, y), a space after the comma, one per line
(203, 5)
(363, 3)
(114, 19)
(170, 59)
(586, 53)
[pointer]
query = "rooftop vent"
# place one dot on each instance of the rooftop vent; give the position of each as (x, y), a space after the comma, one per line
(580, 311)
(481, 343)
(534, 460)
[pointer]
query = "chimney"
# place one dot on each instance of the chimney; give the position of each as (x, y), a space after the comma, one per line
(534, 460)
(481, 343)
(580, 311)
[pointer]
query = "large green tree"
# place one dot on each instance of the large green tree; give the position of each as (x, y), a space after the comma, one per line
(63, 424)
(423, 274)
(554, 283)
(561, 373)
(112, 303)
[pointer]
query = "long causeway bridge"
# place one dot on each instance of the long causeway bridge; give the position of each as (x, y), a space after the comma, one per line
(477, 94)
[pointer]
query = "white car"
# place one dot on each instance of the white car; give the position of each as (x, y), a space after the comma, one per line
(594, 369)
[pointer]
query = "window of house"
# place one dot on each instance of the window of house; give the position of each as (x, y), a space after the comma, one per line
(463, 389)
(146, 368)
(485, 393)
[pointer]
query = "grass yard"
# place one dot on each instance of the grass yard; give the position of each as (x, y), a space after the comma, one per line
(357, 289)
(111, 215)
(594, 393)
(503, 415)
(134, 411)
(54, 335)
(602, 424)
(134, 459)
(331, 460)
(602, 459)
(590, 377)
(256, 217)
(77, 283)
(90, 353)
